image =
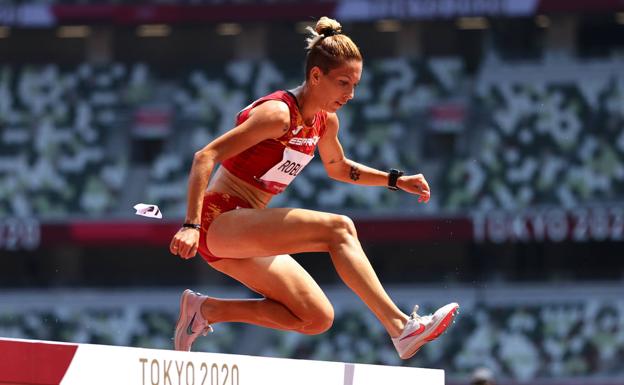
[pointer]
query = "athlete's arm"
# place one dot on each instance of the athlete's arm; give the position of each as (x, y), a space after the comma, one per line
(270, 119)
(341, 168)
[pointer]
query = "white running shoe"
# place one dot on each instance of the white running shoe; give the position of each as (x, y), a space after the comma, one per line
(191, 324)
(422, 329)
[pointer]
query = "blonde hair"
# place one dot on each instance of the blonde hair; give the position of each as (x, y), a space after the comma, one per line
(327, 47)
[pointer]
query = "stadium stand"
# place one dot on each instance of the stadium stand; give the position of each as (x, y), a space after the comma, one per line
(539, 135)
(546, 137)
(53, 125)
(521, 333)
(71, 112)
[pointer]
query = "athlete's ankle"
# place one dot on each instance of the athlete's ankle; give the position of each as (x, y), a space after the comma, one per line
(209, 309)
(396, 326)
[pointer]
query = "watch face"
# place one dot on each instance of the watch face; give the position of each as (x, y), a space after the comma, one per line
(395, 173)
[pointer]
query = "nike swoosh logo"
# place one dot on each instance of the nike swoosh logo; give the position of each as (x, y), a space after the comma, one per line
(416, 332)
(189, 328)
(296, 130)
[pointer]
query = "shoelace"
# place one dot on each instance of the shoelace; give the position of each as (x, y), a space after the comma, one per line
(423, 319)
(207, 329)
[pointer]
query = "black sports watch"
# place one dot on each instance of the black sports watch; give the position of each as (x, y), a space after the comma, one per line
(393, 177)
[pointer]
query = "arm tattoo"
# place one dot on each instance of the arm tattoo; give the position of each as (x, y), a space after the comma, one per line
(354, 173)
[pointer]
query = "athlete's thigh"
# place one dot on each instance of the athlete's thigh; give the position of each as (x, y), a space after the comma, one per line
(279, 278)
(247, 233)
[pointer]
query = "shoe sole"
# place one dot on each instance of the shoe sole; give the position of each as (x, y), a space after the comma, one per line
(437, 332)
(179, 328)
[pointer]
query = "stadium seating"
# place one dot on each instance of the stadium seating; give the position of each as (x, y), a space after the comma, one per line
(535, 135)
(556, 337)
(81, 117)
(545, 137)
(54, 127)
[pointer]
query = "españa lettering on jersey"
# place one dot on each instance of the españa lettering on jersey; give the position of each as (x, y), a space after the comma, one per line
(272, 164)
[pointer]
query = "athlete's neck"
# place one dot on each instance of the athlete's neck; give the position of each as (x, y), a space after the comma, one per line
(305, 102)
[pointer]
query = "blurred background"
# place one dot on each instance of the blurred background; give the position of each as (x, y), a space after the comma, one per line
(512, 109)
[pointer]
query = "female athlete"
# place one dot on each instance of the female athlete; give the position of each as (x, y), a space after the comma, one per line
(228, 223)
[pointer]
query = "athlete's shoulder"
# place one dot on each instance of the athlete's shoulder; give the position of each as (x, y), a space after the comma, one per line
(272, 112)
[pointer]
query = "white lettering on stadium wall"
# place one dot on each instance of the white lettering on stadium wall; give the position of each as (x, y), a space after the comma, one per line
(552, 225)
(19, 234)
(175, 372)
(371, 9)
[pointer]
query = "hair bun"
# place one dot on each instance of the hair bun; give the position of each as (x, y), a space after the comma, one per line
(328, 27)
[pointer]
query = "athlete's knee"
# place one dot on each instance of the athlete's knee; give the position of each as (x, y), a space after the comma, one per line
(318, 321)
(315, 312)
(342, 228)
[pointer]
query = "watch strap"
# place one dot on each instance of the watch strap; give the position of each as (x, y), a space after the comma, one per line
(393, 177)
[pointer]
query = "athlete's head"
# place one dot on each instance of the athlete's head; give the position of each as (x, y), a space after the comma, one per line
(333, 63)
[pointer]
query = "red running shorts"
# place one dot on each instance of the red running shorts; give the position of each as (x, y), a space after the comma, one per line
(215, 204)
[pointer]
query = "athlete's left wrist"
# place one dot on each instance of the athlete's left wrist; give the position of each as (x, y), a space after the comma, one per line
(393, 179)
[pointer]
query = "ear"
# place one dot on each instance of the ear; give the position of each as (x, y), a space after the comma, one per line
(315, 75)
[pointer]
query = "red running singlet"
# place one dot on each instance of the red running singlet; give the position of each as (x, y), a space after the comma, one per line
(273, 163)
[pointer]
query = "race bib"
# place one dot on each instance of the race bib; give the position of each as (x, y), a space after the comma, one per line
(287, 169)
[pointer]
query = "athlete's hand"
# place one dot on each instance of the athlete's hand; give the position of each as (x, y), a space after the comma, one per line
(415, 184)
(185, 243)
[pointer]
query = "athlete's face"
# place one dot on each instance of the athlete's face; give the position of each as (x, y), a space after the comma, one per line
(337, 87)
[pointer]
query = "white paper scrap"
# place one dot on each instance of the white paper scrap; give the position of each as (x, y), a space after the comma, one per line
(147, 210)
